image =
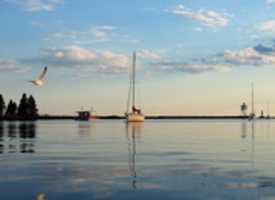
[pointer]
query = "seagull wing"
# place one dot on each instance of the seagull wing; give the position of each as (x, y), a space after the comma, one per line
(42, 75)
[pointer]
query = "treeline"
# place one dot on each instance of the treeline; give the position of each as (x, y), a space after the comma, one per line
(26, 110)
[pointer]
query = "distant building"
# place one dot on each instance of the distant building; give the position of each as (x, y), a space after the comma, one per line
(84, 115)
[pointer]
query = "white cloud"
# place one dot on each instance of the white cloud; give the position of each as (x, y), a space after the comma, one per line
(36, 5)
(107, 27)
(98, 33)
(193, 68)
(206, 17)
(268, 26)
(83, 59)
(11, 66)
(269, 2)
(95, 34)
(149, 55)
(71, 54)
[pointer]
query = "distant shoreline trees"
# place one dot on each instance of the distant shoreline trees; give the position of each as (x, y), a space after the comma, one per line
(2, 106)
(27, 109)
(243, 108)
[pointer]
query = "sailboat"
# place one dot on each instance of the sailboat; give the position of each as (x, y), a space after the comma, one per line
(135, 115)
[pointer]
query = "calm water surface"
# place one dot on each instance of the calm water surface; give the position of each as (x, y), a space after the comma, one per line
(177, 159)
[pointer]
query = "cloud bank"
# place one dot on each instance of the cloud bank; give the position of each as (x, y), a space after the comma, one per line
(80, 58)
(108, 62)
(255, 56)
(259, 55)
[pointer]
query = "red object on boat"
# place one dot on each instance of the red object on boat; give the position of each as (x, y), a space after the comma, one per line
(136, 110)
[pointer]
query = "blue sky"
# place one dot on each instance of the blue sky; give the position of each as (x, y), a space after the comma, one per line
(194, 57)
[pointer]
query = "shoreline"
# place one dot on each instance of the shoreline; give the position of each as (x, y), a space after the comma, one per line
(154, 117)
(158, 117)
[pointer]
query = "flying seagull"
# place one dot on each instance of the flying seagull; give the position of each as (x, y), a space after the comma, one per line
(39, 80)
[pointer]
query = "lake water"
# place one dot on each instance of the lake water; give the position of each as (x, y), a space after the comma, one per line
(160, 159)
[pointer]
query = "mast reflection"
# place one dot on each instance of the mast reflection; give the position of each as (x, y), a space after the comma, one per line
(253, 143)
(245, 125)
(133, 132)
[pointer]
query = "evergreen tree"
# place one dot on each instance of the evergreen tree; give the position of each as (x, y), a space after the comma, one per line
(2, 106)
(27, 109)
(11, 111)
(14, 109)
(23, 107)
(9, 108)
(243, 108)
(32, 108)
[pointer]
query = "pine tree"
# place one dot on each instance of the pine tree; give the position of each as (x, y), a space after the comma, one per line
(243, 108)
(2, 106)
(23, 107)
(9, 108)
(32, 108)
(14, 109)
(11, 111)
(27, 109)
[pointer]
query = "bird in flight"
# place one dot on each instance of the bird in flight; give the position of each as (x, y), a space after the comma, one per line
(39, 80)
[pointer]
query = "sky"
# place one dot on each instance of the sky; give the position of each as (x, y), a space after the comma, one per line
(193, 57)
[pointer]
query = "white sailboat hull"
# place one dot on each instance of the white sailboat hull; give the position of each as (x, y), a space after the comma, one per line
(135, 117)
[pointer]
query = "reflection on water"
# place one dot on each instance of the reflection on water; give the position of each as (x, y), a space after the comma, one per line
(133, 131)
(1, 137)
(1, 131)
(85, 128)
(251, 139)
(253, 143)
(12, 130)
(178, 159)
(244, 129)
(17, 137)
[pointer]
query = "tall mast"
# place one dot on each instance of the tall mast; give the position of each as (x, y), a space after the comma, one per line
(252, 99)
(134, 78)
(130, 90)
